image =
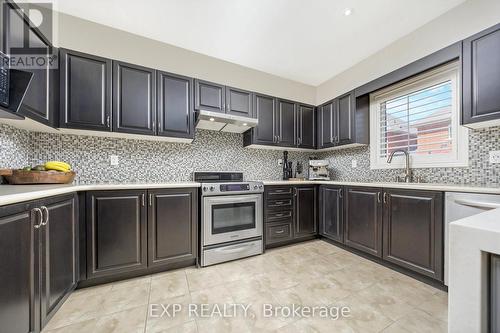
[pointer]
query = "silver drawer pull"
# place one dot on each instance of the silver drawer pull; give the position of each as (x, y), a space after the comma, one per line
(280, 214)
(279, 202)
(280, 231)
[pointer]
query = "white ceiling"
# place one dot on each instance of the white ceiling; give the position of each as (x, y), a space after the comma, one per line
(308, 41)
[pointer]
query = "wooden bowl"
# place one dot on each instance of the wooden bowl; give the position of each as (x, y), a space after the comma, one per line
(21, 177)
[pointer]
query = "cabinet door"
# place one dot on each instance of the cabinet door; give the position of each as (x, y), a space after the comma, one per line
(175, 105)
(327, 132)
(209, 96)
(58, 256)
(41, 100)
(305, 211)
(239, 102)
(306, 127)
(85, 91)
(345, 118)
(18, 291)
(172, 226)
(481, 76)
(363, 220)
(287, 128)
(413, 230)
(265, 111)
(116, 232)
(134, 99)
(331, 218)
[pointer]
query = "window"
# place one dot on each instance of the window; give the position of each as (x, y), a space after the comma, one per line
(421, 116)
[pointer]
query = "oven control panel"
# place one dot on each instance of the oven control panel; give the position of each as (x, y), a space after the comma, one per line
(232, 188)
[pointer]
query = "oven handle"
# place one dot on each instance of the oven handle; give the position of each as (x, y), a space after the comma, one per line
(234, 248)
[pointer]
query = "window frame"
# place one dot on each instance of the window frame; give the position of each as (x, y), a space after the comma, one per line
(459, 157)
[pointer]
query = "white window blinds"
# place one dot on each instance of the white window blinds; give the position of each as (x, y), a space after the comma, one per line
(421, 116)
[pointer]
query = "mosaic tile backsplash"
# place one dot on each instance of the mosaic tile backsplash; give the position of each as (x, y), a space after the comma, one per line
(152, 161)
(479, 171)
(141, 161)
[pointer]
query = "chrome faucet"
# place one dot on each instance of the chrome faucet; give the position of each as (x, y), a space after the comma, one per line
(408, 173)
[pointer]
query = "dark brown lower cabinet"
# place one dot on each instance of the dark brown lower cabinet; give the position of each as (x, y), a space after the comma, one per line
(494, 291)
(305, 211)
(172, 227)
(413, 230)
(116, 232)
(139, 231)
(58, 254)
(290, 214)
(39, 261)
(363, 219)
(331, 212)
(18, 291)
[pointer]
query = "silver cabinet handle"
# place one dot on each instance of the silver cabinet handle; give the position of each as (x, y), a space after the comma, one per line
(143, 199)
(40, 217)
(45, 209)
(378, 197)
(385, 197)
(341, 194)
(280, 231)
(108, 121)
(279, 215)
(150, 199)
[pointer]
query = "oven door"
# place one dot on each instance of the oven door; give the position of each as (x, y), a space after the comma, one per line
(232, 217)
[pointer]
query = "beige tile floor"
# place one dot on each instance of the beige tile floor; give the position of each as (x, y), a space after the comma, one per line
(314, 273)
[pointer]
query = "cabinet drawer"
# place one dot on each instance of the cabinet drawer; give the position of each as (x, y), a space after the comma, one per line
(278, 232)
(285, 203)
(279, 191)
(279, 215)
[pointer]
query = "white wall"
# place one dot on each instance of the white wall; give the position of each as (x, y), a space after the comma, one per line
(462, 21)
(86, 36)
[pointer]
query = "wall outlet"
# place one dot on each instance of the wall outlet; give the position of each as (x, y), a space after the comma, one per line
(494, 156)
(354, 164)
(280, 162)
(113, 159)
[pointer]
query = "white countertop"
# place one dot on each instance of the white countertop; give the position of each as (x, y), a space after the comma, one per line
(415, 186)
(10, 194)
(471, 239)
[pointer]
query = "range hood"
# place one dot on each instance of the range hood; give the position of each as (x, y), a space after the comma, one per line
(217, 121)
(18, 85)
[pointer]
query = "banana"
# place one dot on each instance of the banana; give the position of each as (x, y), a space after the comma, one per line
(58, 166)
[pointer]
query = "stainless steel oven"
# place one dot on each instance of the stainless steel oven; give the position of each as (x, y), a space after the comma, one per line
(231, 217)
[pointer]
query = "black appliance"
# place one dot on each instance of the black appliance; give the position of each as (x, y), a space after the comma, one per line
(13, 86)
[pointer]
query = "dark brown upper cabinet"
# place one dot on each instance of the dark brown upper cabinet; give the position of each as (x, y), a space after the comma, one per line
(265, 112)
(413, 230)
(134, 99)
(116, 232)
(286, 123)
(305, 211)
(41, 101)
(331, 212)
(327, 130)
(345, 118)
(175, 105)
(85, 91)
(306, 122)
(481, 78)
(172, 226)
(363, 219)
(239, 102)
(209, 96)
